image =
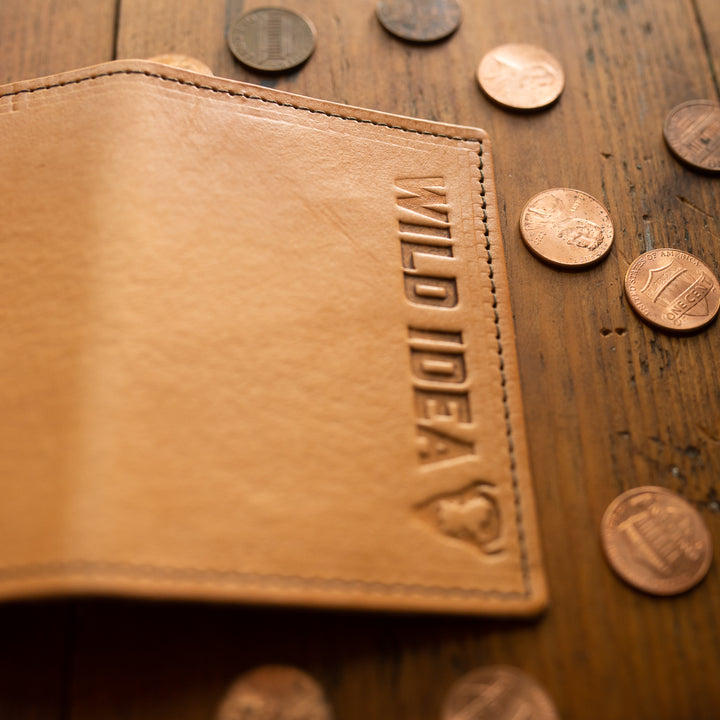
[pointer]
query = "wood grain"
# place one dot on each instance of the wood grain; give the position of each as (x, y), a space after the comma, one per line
(708, 18)
(40, 38)
(610, 402)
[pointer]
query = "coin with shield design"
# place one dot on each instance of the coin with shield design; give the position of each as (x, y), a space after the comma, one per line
(656, 541)
(672, 290)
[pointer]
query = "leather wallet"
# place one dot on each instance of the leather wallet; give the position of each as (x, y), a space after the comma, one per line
(255, 347)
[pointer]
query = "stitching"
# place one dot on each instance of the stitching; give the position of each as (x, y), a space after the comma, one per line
(209, 575)
(233, 93)
(231, 577)
(522, 540)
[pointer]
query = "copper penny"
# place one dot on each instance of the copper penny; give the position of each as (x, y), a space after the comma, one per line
(672, 290)
(271, 39)
(184, 62)
(566, 227)
(521, 77)
(656, 541)
(275, 692)
(498, 693)
(419, 20)
(692, 132)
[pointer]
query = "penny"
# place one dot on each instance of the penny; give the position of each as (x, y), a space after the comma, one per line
(656, 541)
(183, 62)
(498, 693)
(692, 132)
(272, 39)
(419, 20)
(275, 692)
(521, 77)
(566, 227)
(672, 290)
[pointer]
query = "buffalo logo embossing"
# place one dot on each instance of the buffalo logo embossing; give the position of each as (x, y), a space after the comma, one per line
(472, 515)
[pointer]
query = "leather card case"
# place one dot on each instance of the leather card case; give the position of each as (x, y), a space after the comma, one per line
(256, 348)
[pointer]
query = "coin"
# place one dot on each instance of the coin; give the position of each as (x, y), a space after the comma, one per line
(498, 692)
(566, 227)
(272, 39)
(521, 77)
(419, 20)
(656, 541)
(275, 692)
(692, 132)
(182, 61)
(672, 290)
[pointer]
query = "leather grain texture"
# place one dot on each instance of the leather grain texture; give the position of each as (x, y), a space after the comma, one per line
(255, 347)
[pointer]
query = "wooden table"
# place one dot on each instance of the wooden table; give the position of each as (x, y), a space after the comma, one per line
(611, 403)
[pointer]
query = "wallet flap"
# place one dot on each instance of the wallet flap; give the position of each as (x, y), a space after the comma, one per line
(256, 347)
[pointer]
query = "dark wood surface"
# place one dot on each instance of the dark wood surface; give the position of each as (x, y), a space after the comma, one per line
(610, 403)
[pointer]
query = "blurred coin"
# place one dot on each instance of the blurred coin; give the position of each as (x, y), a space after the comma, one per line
(656, 541)
(498, 693)
(566, 227)
(419, 20)
(275, 692)
(271, 39)
(692, 132)
(672, 289)
(182, 61)
(521, 77)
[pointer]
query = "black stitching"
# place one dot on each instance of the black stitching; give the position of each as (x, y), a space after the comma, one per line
(524, 562)
(235, 93)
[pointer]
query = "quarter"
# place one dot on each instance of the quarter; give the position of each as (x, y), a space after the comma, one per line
(521, 77)
(692, 132)
(275, 692)
(672, 290)
(656, 541)
(271, 39)
(498, 692)
(566, 228)
(419, 20)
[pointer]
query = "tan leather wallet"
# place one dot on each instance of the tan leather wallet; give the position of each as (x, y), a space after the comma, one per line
(255, 347)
